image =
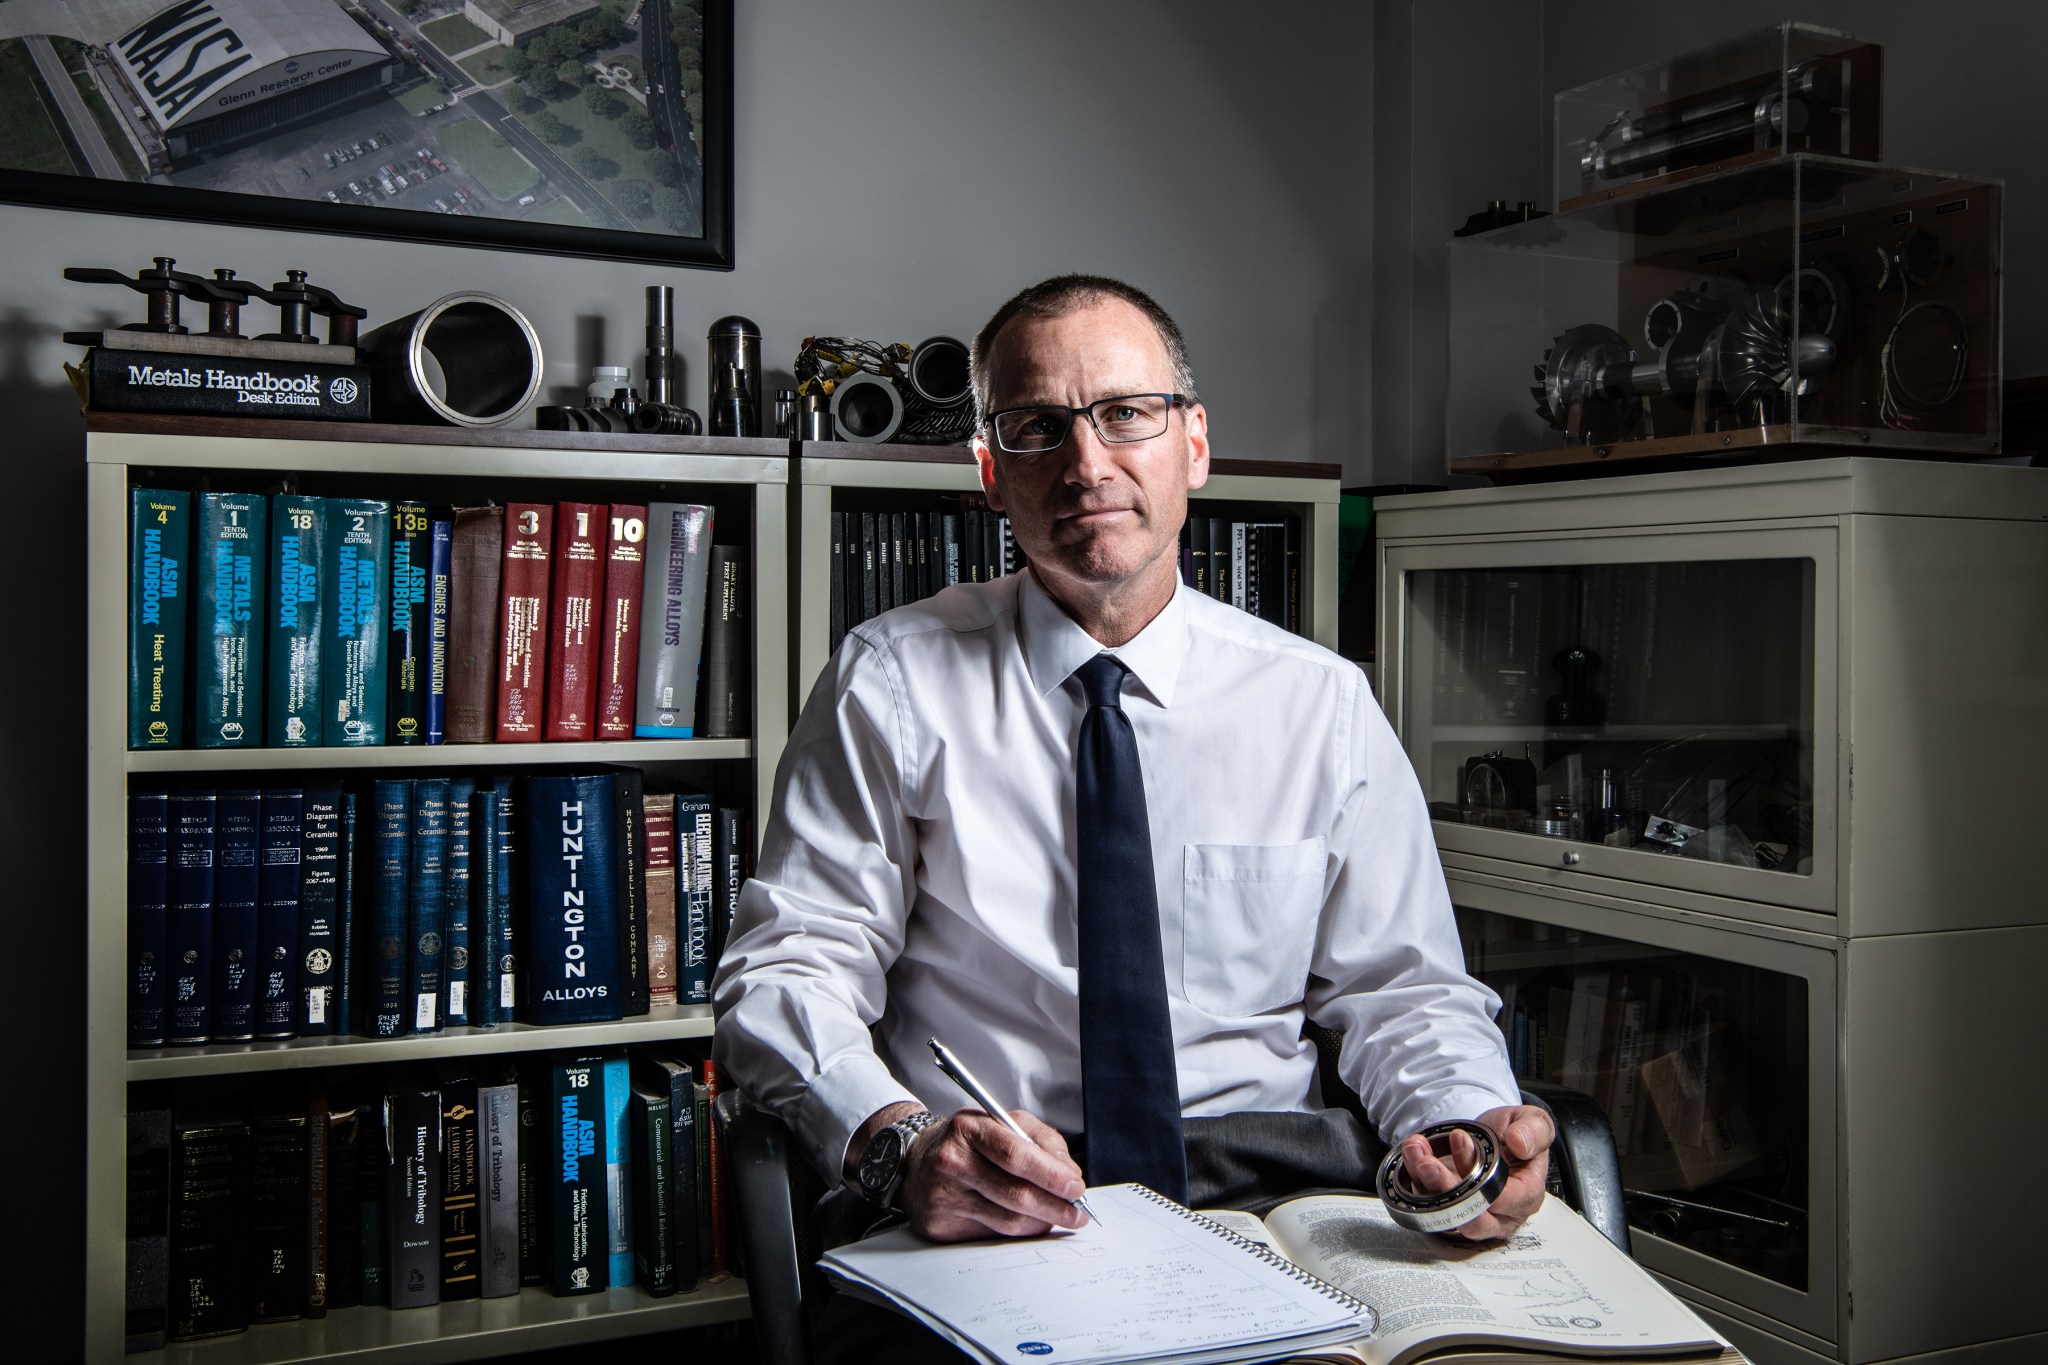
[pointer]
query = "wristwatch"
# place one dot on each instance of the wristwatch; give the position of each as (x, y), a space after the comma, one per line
(881, 1161)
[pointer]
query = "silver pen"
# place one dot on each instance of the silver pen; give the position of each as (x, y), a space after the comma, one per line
(978, 1092)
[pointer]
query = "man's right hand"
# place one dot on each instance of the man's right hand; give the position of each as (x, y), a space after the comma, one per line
(969, 1177)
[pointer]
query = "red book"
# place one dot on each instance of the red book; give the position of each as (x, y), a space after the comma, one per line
(721, 1236)
(577, 583)
(523, 619)
(618, 649)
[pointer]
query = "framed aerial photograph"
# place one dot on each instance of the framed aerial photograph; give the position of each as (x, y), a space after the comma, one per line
(597, 128)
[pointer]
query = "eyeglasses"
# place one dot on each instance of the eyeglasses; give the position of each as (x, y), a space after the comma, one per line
(1044, 426)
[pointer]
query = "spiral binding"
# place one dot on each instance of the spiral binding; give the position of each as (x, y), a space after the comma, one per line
(1268, 1255)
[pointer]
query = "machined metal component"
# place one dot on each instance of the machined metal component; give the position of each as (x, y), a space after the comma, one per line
(298, 303)
(866, 408)
(469, 360)
(661, 307)
(1753, 117)
(667, 419)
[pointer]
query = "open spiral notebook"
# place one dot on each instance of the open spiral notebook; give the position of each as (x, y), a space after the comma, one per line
(1153, 1282)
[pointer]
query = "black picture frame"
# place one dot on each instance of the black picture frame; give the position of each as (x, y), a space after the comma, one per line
(712, 250)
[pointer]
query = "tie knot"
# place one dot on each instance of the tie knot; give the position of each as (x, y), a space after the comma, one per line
(1102, 678)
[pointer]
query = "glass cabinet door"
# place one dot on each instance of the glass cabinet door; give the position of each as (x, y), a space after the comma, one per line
(1708, 1051)
(1654, 708)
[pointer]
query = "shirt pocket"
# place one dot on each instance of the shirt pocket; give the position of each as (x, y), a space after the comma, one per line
(1248, 923)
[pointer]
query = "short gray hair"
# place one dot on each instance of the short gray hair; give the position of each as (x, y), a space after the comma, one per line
(1064, 294)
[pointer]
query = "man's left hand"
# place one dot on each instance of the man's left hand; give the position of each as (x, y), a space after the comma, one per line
(1524, 1132)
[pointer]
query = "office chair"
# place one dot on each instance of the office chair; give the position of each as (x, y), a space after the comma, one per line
(774, 1190)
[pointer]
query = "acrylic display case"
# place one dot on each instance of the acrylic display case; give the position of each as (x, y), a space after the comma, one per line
(1773, 91)
(1795, 306)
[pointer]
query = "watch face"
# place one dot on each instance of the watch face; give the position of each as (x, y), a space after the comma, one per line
(879, 1161)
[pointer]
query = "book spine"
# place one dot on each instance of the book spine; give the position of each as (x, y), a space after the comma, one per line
(694, 892)
(476, 554)
(147, 1253)
(149, 814)
(659, 815)
(232, 548)
(726, 646)
(188, 917)
(871, 567)
(277, 1217)
(481, 994)
(498, 1175)
(237, 893)
(654, 1261)
(318, 911)
(618, 650)
(701, 1103)
(950, 568)
(576, 584)
(523, 620)
(226, 386)
(209, 1272)
(835, 612)
(507, 940)
(159, 616)
(679, 563)
(280, 950)
(358, 581)
(319, 1174)
(373, 1205)
(461, 1210)
(684, 1143)
(618, 1171)
(344, 1205)
(412, 1132)
(386, 941)
(457, 963)
(406, 647)
(579, 1239)
(720, 1263)
(535, 1192)
(634, 949)
(426, 904)
(297, 625)
(570, 837)
(348, 899)
(729, 872)
(439, 549)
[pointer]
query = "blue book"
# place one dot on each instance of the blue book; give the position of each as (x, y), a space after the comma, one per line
(506, 946)
(694, 890)
(354, 672)
(232, 554)
(280, 936)
(569, 833)
(347, 896)
(159, 602)
(440, 559)
(460, 899)
(427, 908)
(237, 843)
(188, 917)
(482, 996)
(149, 814)
(618, 1169)
(320, 911)
(406, 648)
(297, 627)
(579, 1221)
(385, 946)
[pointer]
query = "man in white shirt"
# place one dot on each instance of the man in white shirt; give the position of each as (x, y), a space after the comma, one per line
(917, 875)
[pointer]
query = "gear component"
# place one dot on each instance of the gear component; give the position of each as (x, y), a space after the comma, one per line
(1583, 386)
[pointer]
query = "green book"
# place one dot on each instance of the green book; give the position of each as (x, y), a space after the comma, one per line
(298, 619)
(407, 647)
(232, 554)
(159, 555)
(654, 1257)
(354, 674)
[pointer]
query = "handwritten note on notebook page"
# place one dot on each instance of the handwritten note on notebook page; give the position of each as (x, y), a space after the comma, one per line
(1151, 1282)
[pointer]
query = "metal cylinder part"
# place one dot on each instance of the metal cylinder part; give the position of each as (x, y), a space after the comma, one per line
(467, 360)
(734, 341)
(814, 417)
(866, 408)
(661, 307)
(938, 372)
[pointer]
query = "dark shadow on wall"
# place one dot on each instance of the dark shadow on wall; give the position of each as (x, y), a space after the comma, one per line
(42, 844)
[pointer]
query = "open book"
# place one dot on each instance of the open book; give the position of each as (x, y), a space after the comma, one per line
(1555, 1291)
(1327, 1278)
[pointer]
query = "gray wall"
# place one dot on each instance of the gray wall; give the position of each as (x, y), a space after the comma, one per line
(903, 166)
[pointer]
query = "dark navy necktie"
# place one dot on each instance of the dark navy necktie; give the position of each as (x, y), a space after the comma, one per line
(1130, 1092)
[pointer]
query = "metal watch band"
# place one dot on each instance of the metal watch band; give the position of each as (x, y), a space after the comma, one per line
(1457, 1206)
(906, 1129)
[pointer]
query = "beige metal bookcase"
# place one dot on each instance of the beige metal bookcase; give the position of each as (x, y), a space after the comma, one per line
(1307, 491)
(745, 479)
(1836, 672)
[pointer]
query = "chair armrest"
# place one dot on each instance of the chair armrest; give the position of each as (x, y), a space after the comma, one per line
(1583, 1167)
(756, 1145)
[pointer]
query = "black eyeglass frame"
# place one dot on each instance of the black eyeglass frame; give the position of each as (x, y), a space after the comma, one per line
(1173, 400)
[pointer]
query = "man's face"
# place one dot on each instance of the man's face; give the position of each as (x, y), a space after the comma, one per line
(1093, 517)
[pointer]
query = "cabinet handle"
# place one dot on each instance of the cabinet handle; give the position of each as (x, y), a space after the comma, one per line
(1571, 860)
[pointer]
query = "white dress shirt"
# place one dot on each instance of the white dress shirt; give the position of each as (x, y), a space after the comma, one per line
(917, 876)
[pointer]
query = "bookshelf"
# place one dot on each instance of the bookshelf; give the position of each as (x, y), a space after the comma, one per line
(831, 472)
(1853, 965)
(746, 480)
